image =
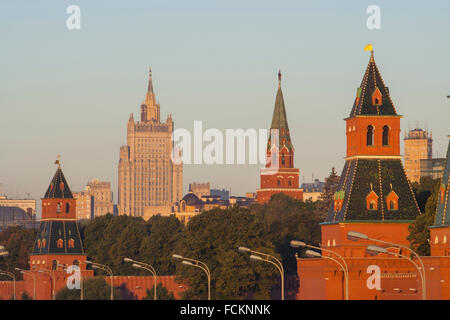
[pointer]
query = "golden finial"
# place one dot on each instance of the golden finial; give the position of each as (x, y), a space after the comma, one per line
(58, 161)
(369, 47)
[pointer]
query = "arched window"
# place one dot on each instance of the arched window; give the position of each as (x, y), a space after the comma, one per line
(67, 207)
(282, 159)
(385, 136)
(58, 207)
(370, 135)
(391, 205)
(372, 205)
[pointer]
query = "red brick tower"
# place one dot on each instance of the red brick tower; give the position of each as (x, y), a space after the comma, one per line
(58, 242)
(279, 175)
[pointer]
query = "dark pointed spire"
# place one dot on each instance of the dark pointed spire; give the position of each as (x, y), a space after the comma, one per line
(58, 187)
(372, 97)
(150, 96)
(150, 82)
(279, 118)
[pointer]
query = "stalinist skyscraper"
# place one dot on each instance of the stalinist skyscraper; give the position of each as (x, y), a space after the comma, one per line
(149, 182)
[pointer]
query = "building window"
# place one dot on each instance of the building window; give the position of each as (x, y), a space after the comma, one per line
(67, 207)
(59, 243)
(282, 159)
(391, 205)
(370, 135)
(372, 205)
(278, 182)
(385, 136)
(58, 207)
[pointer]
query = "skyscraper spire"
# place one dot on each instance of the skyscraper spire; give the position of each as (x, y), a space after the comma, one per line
(150, 82)
(150, 96)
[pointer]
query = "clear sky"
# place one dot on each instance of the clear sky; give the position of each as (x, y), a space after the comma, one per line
(71, 92)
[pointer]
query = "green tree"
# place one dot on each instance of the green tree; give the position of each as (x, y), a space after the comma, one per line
(213, 238)
(18, 241)
(284, 219)
(108, 239)
(423, 190)
(157, 247)
(161, 293)
(95, 288)
(419, 230)
(326, 198)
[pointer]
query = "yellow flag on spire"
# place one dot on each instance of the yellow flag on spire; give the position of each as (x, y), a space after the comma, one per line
(369, 47)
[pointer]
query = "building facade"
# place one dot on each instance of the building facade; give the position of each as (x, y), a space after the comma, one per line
(200, 189)
(27, 205)
(279, 175)
(432, 168)
(147, 175)
(418, 145)
(95, 200)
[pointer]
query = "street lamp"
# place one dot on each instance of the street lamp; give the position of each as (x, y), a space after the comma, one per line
(255, 255)
(12, 276)
(34, 279)
(375, 250)
(52, 279)
(197, 264)
(355, 236)
(104, 268)
(344, 266)
(145, 266)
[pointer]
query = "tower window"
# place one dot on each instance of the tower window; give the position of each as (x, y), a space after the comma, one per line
(67, 207)
(278, 182)
(372, 205)
(58, 208)
(391, 205)
(385, 136)
(370, 135)
(282, 159)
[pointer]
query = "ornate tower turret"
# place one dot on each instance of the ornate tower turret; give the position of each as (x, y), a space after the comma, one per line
(279, 175)
(58, 240)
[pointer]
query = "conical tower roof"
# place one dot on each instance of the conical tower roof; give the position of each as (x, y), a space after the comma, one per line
(443, 205)
(372, 81)
(279, 121)
(279, 118)
(58, 188)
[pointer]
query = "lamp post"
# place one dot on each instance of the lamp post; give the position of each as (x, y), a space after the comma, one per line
(145, 266)
(375, 250)
(197, 264)
(344, 266)
(355, 236)
(52, 279)
(12, 276)
(108, 270)
(255, 255)
(34, 280)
